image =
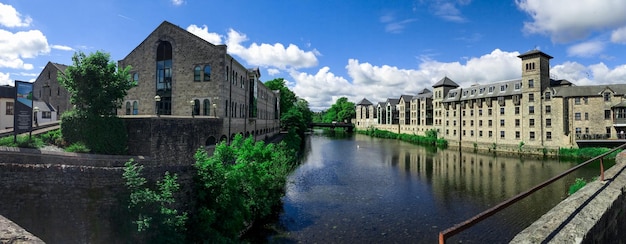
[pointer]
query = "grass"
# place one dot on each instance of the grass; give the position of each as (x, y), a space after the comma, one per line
(586, 153)
(429, 140)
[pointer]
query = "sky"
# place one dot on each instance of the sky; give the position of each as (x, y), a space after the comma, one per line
(328, 49)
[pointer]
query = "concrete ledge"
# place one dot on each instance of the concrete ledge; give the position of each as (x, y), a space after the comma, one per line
(594, 214)
(13, 233)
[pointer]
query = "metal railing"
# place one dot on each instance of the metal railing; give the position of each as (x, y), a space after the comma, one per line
(489, 212)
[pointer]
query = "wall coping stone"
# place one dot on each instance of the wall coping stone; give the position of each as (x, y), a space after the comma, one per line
(18, 155)
(12, 233)
(573, 220)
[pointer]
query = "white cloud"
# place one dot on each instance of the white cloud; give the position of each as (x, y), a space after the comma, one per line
(272, 71)
(619, 35)
(9, 17)
(268, 55)
(203, 32)
(565, 21)
(377, 83)
(393, 26)
(62, 48)
(178, 2)
(23, 44)
(5, 79)
(586, 49)
(447, 11)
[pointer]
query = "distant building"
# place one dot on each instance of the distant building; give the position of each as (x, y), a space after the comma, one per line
(47, 88)
(45, 113)
(180, 74)
(537, 110)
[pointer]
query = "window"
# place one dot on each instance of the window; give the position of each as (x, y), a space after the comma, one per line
(531, 83)
(501, 122)
(197, 73)
(516, 110)
(531, 109)
(586, 116)
(480, 133)
(517, 122)
(463, 122)
(607, 114)
(489, 123)
(531, 122)
(46, 115)
(548, 109)
(532, 135)
(471, 122)
(548, 135)
(531, 97)
(518, 86)
(480, 123)
(207, 73)
(577, 100)
(490, 134)
(471, 112)
(489, 112)
(548, 122)
(578, 131)
(206, 104)
(517, 135)
(135, 108)
(196, 107)
(548, 96)
(502, 134)
(503, 87)
(480, 112)
(10, 108)
(530, 66)
(576, 116)
(127, 108)
(472, 133)
(501, 111)
(164, 77)
(491, 88)
(607, 96)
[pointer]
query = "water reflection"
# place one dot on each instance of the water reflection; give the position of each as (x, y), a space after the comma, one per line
(362, 189)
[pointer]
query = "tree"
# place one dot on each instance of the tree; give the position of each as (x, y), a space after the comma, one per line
(95, 84)
(341, 111)
(287, 97)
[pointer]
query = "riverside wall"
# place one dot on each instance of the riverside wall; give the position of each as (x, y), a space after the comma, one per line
(594, 214)
(70, 197)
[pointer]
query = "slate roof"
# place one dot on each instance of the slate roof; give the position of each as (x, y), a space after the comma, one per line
(445, 82)
(498, 89)
(393, 101)
(588, 91)
(364, 102)
(424, 94)
(534, 52)
(407, 98)
(7, 91)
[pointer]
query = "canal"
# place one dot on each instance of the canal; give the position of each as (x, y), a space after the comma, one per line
(359, 189)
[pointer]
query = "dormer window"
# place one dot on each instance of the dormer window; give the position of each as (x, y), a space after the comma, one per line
(607, 96)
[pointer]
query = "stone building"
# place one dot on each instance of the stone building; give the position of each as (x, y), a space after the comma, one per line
(535, 110)
(47, 88)
(180, 74)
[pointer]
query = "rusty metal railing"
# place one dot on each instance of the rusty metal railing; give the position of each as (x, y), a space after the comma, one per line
(489, 212)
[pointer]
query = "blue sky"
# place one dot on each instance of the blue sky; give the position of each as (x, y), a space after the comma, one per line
(329, 49)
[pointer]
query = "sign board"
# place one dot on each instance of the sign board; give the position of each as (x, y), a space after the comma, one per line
(23, 116)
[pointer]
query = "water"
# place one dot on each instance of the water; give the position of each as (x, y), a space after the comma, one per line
(368, 190)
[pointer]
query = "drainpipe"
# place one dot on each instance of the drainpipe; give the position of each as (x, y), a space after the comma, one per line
(230, 98)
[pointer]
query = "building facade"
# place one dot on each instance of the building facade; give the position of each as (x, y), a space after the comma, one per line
(47, 88)
(179, 74)
(534, 110)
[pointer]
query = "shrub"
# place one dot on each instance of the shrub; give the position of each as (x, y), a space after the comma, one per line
(78, 147)
(578, 184)
(105, 135)
(429, 140)
(22, 141)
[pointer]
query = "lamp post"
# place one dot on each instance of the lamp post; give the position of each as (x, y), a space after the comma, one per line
(192, 104)
(214, 109)
(157, 99)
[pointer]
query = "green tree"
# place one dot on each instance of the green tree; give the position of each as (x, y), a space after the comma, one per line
(95, 84)
(342, 110)
(287, 97)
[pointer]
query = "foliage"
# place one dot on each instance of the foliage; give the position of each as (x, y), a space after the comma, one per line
(95, 84)
(152, 210)
(585, 153)
(53, 137)
(287, 97)
(78, 147)
(237, 185)
(429, 140)
(105, 135)
(341, 111)
(520, 146)
(22, 141)
(578, 184)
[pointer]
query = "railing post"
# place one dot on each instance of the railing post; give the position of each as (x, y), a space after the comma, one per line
(601, 169)
(442, 239)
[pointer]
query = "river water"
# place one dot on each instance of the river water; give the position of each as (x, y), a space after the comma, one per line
(359, 189)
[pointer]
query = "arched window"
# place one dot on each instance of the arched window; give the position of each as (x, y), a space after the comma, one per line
(207, 73)
(164, 77)
(207, 107)
(196, 107)
(197, 73)
(136, 78)
(210, 141)
(135, 107)
(127, 108)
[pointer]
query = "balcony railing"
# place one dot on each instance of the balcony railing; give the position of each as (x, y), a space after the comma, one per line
(605, 136)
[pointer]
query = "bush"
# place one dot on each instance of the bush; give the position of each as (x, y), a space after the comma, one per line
(578, 184)
(104, 135)
(22, 141)
(429, 140)
(586, 153)
(78, 147)
(53, 137)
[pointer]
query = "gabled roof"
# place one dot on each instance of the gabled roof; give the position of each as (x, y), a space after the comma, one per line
(393, 101)
(60, 67)
(445, 82)
(364, 102)
(407, 98)
(425, 91)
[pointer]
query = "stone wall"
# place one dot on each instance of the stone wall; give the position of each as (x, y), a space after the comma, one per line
(594, 214)
(72, 198)
(13, 233)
